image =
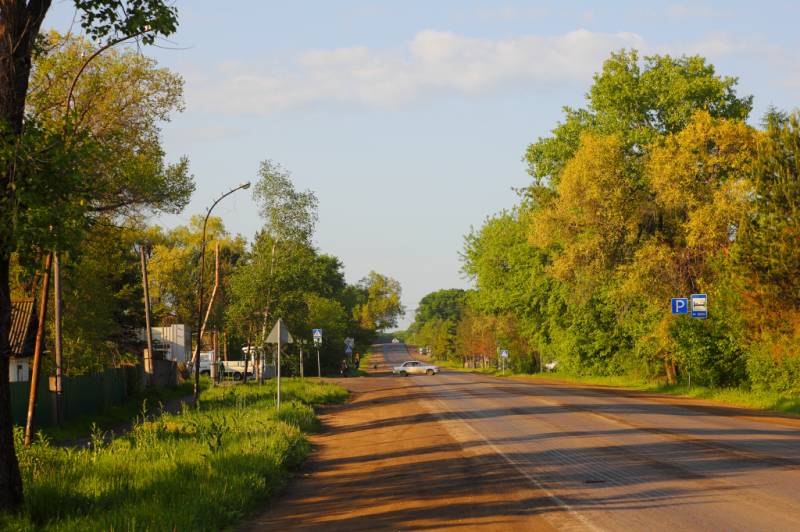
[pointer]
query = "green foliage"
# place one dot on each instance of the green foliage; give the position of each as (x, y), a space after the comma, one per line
(199, 470)
(440, 305)
(381, 305)
(637, 101)
(119, 19)
(657, 189)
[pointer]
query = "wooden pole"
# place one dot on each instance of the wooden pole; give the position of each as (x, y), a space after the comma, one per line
(148, 356)
(213, 292)
(37, 352)
(214, 347)
(249, 352)
(301, 361)
(58, 338)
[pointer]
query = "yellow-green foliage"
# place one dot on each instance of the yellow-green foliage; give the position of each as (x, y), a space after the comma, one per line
(198, 470)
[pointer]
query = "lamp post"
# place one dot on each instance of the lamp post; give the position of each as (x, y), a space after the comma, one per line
(196, 357)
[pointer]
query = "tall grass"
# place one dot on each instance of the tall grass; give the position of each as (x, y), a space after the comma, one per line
(201, 469)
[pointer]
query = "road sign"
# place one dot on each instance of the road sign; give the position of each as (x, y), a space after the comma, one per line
(504, 353)
(350, 342)
(317, 334)
(699, 305)
(348, 350)
(680, 305)
(280, 334)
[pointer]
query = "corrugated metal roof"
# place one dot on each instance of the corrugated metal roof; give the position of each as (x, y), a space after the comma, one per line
(21, 326)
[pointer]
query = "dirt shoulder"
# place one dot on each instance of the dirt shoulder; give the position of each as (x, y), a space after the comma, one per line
(372, 470)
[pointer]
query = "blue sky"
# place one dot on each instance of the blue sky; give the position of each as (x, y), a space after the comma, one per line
(409, 119)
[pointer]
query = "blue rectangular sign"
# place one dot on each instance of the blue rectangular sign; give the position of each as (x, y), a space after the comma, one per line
(680, 305)
(699, 305)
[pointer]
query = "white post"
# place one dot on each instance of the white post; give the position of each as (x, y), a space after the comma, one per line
(278, 370)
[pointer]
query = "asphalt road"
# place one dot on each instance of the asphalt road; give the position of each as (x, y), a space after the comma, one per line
(614, 460)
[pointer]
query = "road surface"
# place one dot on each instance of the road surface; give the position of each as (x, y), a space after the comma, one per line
(467, 450)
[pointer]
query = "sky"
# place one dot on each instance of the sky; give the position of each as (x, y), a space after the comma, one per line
(409, 119)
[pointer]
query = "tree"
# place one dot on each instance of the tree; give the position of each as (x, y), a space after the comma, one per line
(638, 101)
(111, 21)
(382, 306)
(441, 304)
(173, 267)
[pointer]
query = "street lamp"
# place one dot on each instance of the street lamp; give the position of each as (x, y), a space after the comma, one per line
(196, 357)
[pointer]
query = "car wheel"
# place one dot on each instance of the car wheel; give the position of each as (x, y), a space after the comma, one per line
(237, 376)
(404, 374)
(430, 372)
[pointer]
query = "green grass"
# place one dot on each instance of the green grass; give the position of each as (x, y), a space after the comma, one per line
(116, 415)
(758, 400)
(202, 469)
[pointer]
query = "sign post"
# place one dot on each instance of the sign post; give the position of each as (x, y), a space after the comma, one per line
(503, 357)
(279, 335)
(317, 334)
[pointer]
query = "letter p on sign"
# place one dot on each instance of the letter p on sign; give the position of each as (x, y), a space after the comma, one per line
(680, 305)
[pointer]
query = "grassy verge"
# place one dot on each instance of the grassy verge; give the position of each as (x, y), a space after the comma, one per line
(116, 415)
(202, 469)
(744, 398)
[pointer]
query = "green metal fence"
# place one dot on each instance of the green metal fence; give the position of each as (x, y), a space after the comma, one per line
(85, 394)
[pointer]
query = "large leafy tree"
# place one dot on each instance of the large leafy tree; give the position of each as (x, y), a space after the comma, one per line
(108, 22)
(381, 307)
(638, 100)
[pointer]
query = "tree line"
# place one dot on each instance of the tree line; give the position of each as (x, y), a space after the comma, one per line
(658, 187)
(84, 171)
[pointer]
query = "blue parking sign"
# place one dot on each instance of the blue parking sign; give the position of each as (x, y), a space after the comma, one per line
(680, 305)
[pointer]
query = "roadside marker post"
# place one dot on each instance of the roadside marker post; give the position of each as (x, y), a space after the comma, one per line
(503, 357)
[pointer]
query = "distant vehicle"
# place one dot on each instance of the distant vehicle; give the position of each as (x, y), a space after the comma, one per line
(424, 350)
(395, 341)
(551, 366)
(413, 367)
(230, 368)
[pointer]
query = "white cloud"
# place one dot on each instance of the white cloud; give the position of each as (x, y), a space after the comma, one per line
(430, 63)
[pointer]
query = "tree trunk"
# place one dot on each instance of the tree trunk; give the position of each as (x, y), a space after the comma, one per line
(10, 480)
(19, 25)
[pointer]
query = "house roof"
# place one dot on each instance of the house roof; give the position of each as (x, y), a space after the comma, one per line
(21, 326)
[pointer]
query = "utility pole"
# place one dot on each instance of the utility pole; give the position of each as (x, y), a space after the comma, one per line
(196, 356)
(148, 357)
(57, 339)
(37, 352)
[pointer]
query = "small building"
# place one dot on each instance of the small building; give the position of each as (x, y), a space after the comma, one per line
(171, 342)
(22, 339)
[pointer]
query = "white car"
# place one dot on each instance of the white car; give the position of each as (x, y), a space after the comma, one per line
(413, 366)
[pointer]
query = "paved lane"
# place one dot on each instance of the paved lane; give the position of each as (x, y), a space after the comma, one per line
(625, 461)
